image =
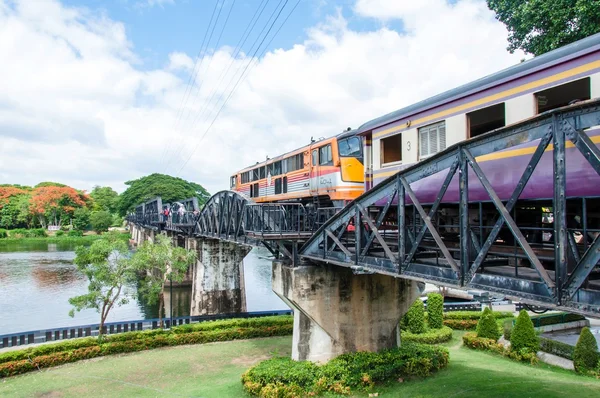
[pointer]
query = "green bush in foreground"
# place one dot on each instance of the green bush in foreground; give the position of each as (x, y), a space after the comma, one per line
(431, 336)
(415, 317)
(283, 377)
(585, 355)
(523, 337)
(487, 326)
(435, 310)
(21, 361)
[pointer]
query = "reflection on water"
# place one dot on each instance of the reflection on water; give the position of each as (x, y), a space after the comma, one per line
(37, 279)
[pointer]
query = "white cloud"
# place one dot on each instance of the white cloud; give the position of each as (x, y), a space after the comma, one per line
(153, 3)
(75, 107)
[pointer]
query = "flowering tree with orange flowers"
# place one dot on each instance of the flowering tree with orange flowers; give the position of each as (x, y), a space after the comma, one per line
(7, 192)
(53, 205)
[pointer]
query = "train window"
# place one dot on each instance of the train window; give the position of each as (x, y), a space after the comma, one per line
(563, 95)
(246, 177)
(294, 163)
(262, 172)
(284, 188)
(277, 186)
(325, 156)
(350, 147)
(391, 149)
(233, 181)
(254, 190)
(432, 139)
(276, 168)
(486, 119)
(315, 157)
(255, 175)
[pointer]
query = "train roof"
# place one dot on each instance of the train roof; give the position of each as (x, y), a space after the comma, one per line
(578, 48)
(342, 135)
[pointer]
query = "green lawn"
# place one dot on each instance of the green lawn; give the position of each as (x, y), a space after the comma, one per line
(214, 370)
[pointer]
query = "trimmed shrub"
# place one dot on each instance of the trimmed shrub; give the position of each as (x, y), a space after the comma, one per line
(585, 355)
(487, 326)
(558, 348)
(461, 324)
(523, 338)
(432, 336)
(415, 318)
(283, 377)
(435, 310)
(471, 340)
(463, 315)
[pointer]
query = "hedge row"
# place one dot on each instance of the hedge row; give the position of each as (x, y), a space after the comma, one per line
(465, 315)
(461, 324)
(471, 340)
(553, 319)
(558, 348)
(22, 361)
(430, 336)
(283, 377)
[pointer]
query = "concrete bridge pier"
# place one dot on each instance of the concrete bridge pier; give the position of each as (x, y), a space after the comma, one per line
(336, 311)
(218, 277)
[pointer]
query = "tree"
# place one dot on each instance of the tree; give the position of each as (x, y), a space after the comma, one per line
(161, 262)
(435, 310)
(49, 184)
(538, 26)
(105, 198)
(108, 269)
(487, 326)
(14, 207)
(54, 204)
(101, 220)
(81, 219)
(585, 355)
(523, 335)
(168, 188)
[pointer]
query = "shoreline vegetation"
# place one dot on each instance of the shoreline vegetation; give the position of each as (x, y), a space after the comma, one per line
(58, 239)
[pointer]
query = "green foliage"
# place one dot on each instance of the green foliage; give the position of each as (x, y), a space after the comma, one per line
(3, 234)
(523, 337)
(431, 336)
(27, 233)
(74, 233)
(159, 262)
(101, 220)
(585, 355)
(283, 377)
(481, 343)
(21, 361)
(49, 184)
(538, 26)
(105, 198)
(507, 327)
(168, 188)
(435, 310)
(15, 212)
(415, 317)
(461, 324)
(463, 315)
(487, 326)
(557, 348)
(108, 269)
(59, 233)
(81, 219)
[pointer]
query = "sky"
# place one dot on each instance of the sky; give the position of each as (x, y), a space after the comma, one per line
(101, 92)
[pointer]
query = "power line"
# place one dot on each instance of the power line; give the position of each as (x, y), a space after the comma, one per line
(240, 79)
(191, 81)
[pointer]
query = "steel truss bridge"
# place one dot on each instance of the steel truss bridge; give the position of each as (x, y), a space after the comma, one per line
(491, 244)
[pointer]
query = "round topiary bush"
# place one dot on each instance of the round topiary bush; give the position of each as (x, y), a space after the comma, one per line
(487, 326)
(435, 310)
(415, 318)
(523, 337)
(585, 356)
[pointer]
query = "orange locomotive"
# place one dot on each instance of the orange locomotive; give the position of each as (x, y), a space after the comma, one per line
(326, 173)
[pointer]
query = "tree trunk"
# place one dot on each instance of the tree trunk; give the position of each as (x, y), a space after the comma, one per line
(161, 304)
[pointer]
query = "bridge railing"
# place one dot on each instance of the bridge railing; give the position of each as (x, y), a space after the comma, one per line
(277, 220)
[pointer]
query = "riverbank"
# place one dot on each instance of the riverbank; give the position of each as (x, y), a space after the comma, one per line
(214, 370)
(86, 239)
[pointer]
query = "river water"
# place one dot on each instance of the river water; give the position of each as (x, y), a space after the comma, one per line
(37, 279)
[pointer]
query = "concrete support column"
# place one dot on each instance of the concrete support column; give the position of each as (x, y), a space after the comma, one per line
(336, 311)
(218, 277)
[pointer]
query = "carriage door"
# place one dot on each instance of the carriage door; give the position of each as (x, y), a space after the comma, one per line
(314, 171)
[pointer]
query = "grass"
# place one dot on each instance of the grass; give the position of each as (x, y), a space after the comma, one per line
(214, 370)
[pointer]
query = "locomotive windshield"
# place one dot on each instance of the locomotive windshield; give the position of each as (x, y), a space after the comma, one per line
(350, 147)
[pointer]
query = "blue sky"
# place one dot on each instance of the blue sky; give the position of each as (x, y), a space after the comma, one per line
(157, 28)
